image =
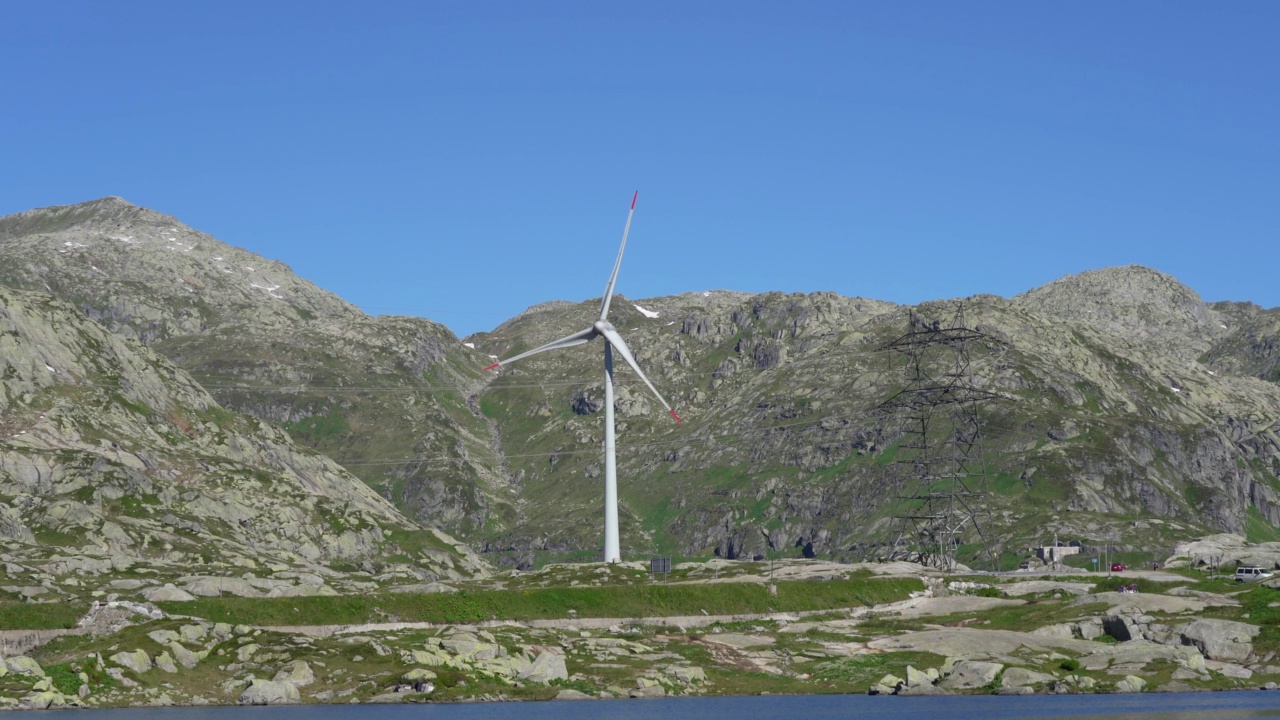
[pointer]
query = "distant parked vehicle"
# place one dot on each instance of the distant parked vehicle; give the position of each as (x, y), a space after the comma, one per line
(1117, 567)
(1250, 573)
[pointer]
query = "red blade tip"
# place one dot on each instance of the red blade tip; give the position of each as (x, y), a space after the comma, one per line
(493, 366)
(674, 415)
(633, 199)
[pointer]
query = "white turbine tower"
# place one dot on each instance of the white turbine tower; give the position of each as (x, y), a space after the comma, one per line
(612, 341)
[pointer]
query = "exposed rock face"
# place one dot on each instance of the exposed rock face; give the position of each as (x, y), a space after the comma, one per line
(1223, 640)
(270, 344)
(120, 459)
(1251, 346)
(1105, 412)
(1131, 302)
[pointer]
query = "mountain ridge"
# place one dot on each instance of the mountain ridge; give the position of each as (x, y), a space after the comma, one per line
(1124, 397)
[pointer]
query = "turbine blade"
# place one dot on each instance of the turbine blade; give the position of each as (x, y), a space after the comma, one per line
(575, 339)
(613, 279)
(620, 345)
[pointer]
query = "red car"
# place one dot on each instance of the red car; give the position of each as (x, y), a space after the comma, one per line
(1117, 567)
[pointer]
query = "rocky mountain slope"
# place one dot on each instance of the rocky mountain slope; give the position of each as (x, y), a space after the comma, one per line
(1107, 427)
(1252, 347)
(1127, 410)
(116, 463)
(384, 396)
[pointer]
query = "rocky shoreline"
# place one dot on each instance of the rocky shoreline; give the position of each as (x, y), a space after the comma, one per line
(1012, 634)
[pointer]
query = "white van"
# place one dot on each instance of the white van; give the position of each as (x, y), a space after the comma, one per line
(1249, 573)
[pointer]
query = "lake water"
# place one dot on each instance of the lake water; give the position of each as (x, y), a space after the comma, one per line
(1157, 706)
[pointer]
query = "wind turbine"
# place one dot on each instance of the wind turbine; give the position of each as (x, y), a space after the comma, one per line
(612, 341)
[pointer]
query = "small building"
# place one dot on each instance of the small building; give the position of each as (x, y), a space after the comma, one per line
(1052, 554)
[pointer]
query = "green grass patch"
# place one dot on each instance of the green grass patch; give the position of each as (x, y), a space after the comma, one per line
(1023, 618)
(40, 616)
(1119, 580)
(652, 600)
(1256, 604)
(862, 671)
(319, 427)
(66, 676)
(1257, 529)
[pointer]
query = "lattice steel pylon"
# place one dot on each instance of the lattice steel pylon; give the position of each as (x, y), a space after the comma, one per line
(937, 417)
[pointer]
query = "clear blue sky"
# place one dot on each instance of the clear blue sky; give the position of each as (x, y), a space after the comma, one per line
(463, 160)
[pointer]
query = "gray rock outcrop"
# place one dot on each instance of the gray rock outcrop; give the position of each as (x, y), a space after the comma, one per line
(1223, 640)
(545, 668)
(270, 692)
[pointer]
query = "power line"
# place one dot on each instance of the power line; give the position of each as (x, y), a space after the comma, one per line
(694, 441)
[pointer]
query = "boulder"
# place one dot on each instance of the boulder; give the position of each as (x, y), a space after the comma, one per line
(44, 700)
(164, 661)
(126, 584)
(23, 665)
(739, 641)
(1065, 631)
(926, 689)
(298, 673)
(970, 674)
(653, 691)
(471, 647)
(163, 637)
(1090, 628)
(185, 657)
(270, 692)
(891, 682)
(1224, 640)
(301, 591)
(138, 660)
(915, 678)
(1131, 684)
(687, 674)
(168, 592)
(192, 633)
(1230, 670)
(1016, 677)
(920, 683)
(429, 656)
(547, 667)
(507, 666)
(570, 694)
(217, 586)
